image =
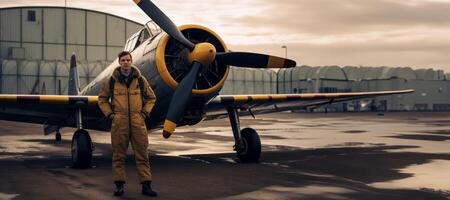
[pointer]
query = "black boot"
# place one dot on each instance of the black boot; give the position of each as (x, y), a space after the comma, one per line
(147, 189)
(119, 188)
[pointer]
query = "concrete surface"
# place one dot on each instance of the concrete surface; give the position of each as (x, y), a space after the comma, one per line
(305, 156)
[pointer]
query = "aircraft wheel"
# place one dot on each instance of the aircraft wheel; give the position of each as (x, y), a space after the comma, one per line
(81, 149)
(251, 150)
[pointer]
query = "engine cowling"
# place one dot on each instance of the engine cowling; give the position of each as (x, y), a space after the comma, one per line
(173, 65)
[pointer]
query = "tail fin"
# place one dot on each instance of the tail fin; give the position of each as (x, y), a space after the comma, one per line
(74, 81)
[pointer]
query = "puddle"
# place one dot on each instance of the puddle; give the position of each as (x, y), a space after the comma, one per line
(4, 196)
(305, 192)
(435, 175)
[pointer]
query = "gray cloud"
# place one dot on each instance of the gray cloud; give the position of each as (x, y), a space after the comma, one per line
(317, 32)
(344, 16)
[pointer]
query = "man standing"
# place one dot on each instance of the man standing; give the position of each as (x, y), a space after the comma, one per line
(131, 102)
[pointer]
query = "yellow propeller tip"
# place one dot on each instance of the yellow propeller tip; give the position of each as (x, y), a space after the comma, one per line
(137, 1)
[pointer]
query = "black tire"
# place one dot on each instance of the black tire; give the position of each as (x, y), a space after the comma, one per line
(81, 149)
(251, 152)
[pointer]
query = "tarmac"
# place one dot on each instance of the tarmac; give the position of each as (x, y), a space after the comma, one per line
(305, 156)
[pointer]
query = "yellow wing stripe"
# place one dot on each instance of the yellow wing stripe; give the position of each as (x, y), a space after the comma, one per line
(48, 99)
(312, 96)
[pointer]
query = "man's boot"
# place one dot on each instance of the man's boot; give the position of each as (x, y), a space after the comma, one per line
(147, 189)
(119, 188)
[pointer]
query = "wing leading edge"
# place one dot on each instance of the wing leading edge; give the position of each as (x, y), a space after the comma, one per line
(266, 103)
(49, 109)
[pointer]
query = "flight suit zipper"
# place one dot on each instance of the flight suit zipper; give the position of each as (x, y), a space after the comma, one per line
(129, 111)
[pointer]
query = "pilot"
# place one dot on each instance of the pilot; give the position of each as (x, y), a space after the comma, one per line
(131, 102)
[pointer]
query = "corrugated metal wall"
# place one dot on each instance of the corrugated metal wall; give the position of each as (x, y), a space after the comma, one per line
(43, 77)
(57, 32)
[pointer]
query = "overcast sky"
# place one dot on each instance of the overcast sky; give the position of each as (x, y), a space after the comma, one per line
(413, 33)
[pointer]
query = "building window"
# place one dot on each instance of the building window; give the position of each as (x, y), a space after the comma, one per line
(31, 16)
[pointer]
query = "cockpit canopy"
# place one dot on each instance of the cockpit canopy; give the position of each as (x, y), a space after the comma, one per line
(150, 30)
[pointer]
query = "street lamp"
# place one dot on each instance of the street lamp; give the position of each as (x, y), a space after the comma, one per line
(285, 50)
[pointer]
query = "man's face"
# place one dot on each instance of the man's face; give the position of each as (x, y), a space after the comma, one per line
(125, 62)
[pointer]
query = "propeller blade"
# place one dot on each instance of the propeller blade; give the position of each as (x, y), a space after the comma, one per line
(253, 60)
(164, 22)
(179, 100)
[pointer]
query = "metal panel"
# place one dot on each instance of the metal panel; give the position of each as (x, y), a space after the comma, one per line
(249, 74)
(54, 25)
(47, 77)
(76, 27)
(230, 76)
(33, 51)
(32, 30)
(10, 25)
(28, 77)
(115, 31)
(95, 53)
(53, 51)
(249, 87)
(258, 79)
(238, 87)
(280, 80)
(96, 29)
(227, 87)
(62, 68)
(4, 48)
(83, 73)
(266, 87)
(132, 28)
(94, 69)
(28, 68)
(287, 81)
(112, 53)
(274, 83)
(9, 83)
(79, 51)
(238, 74)
(9, 67)
(62, 80)
(258, 75)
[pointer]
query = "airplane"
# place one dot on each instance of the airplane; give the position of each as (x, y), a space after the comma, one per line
(186, 67)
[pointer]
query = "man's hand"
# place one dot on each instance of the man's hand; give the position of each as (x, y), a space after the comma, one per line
(111, 116)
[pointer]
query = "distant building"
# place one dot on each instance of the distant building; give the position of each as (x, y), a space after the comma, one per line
(432, 87)
(37, 42)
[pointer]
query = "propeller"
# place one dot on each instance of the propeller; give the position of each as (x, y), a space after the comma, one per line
(164, 22)
(201, 55)
(253, 60)
(179, 100)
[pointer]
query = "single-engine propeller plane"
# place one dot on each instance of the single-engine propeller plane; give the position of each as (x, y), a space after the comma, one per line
(186, 67)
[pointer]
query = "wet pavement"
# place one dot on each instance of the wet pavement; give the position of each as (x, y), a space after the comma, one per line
(305, 156)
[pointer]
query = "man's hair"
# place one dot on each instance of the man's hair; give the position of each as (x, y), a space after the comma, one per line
(124, 53)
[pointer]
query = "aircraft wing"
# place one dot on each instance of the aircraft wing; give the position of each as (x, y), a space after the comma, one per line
(269, 103)
(49, 109)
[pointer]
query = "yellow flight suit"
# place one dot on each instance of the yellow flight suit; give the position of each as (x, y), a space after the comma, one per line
(129, 110)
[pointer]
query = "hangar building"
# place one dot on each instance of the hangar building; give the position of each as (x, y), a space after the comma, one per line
(432, 87)
(37, 42)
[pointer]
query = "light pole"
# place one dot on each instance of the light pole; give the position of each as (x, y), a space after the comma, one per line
(285, 50)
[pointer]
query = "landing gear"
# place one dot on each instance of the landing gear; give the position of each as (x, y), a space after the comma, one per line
(251, 149)
(247, 143)
(81, 149)
(81, 145)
